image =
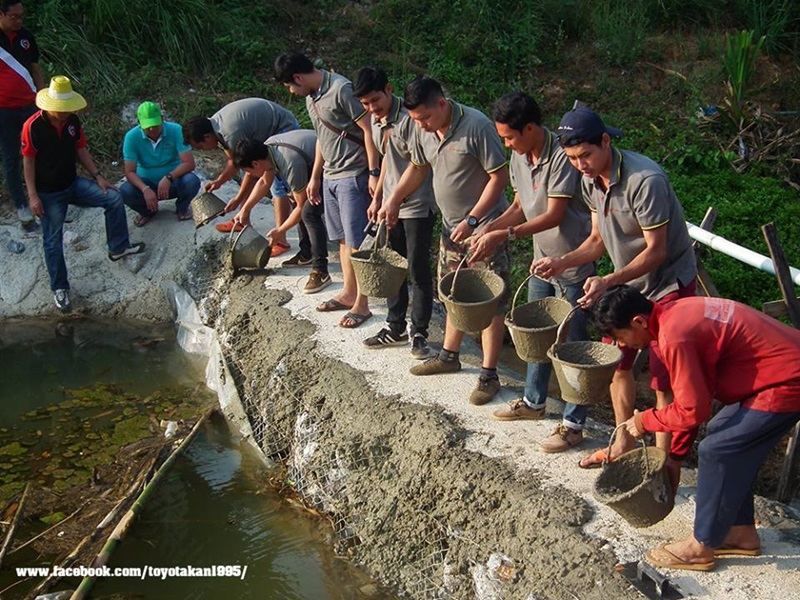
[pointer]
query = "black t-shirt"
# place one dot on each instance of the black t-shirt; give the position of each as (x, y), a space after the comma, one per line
(22, 47)
(55, 150)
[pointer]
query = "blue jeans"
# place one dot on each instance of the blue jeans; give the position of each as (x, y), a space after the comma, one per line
(184, 188)
(81, 192)
(11, 122)
(738, 441)
(537, 377)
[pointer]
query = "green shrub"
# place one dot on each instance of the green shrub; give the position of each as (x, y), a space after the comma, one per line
(620, 28)
(774, 20)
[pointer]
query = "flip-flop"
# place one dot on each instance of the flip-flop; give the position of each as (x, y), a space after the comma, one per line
(279, 248)
(733, 551)
(186, 216)
(661, 557)
(332, 305)
(228, 226)
(142, 220)
(594, 460)
(355, 318)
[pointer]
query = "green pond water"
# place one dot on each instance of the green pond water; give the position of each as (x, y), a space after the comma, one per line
(213, 509)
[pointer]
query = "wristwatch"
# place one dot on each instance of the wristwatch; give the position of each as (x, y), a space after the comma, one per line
(511, 235)
(374, 172)
(472, 221)
(169, 177)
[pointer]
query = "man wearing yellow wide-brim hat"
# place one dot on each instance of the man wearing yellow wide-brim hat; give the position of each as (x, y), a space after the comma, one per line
(52, 141)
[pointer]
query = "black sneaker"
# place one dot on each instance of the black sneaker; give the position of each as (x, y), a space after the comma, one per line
(386, 338)
(61, 298)
(298, 260)
(132, 249)
(419, 347)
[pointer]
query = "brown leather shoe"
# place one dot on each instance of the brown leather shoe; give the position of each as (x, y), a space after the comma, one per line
(485, 391)
(563, 438)
(517, 410)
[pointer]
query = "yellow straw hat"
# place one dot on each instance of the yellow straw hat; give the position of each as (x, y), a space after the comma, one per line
(60, 97)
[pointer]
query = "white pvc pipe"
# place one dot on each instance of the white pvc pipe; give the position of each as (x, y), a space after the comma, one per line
(738, 252)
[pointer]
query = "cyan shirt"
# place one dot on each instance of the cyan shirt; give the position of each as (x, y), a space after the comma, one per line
(154, 159)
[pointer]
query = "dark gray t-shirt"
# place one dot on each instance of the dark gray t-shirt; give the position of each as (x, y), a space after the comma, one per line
(250, 119)
(552, 176)
(640, 198)
(292, 153)
(338, 107)
(392, 138)
(461, 161)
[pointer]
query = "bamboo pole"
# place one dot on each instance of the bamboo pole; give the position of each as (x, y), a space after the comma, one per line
(122, 527)
(52, 580)
(12, 529)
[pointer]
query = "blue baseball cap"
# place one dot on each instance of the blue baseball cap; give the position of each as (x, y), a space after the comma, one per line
(581, 125)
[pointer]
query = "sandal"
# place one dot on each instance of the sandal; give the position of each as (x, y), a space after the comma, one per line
(661, 557)
(142, 220)
(354, 320)
(332, 305)
(594, 460)
(279, 248)
(229, 226)
(185, 216)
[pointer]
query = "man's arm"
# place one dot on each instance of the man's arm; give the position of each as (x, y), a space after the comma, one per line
(150, 197)
(294, 217)
(227, 174)
(590, 250)
(37, 76)
(86, 160)
(29, 172)
(498, 179)
(260, 189)
(314, 189)
(646, 261)
(186, 166)
(410, 180)
(373, 157)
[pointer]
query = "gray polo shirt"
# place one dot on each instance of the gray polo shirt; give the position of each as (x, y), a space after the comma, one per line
(337, 105)
(640, 198)
(292, 153)
(461, 161)
(250, 119)
(552, 176)
(393, 136)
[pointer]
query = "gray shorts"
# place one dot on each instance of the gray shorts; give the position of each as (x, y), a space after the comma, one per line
(346, 203)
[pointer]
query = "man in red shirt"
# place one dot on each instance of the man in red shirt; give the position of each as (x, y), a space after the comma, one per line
(713, 348)
(20, 77)
(52, 142)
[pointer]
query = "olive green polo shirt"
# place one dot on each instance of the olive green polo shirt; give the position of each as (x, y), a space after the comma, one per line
(337, 105)
(461, 162)
(250, 119)
(552, 176)
(292, 154)
(640, 198)
(393, 136)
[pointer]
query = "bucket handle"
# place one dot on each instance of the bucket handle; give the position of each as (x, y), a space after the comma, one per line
(231, 241)
(377, 245)
(563, 328)
(611, 441)
(455, 276)
(554, 282)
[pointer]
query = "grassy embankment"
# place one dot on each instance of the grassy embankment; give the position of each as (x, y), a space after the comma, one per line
(647, 67)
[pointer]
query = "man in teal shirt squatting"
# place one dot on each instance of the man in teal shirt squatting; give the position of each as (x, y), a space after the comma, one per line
(158, 166)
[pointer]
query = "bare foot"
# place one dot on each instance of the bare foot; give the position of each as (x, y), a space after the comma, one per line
(691, 551)
(742, 537)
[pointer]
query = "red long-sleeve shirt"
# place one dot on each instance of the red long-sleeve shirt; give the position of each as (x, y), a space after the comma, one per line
(718, 348)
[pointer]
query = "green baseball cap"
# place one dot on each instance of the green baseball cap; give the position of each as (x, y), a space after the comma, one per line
(149, 115)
